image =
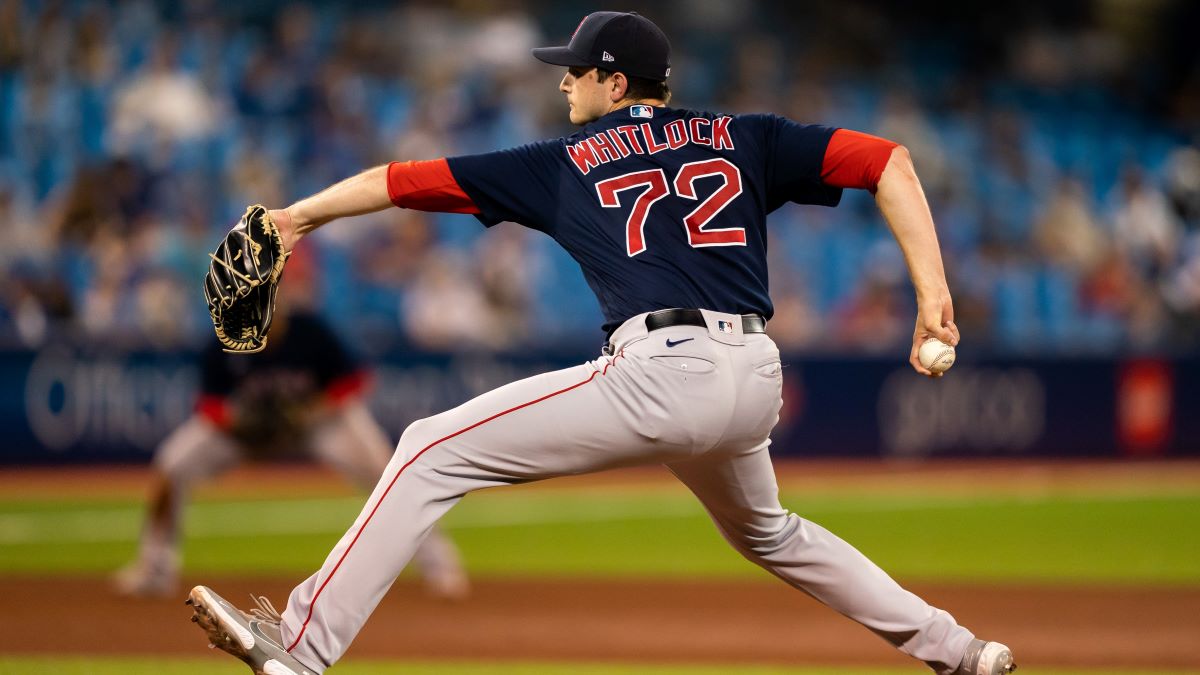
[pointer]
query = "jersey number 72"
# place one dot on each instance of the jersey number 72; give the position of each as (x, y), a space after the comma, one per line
(654, 184)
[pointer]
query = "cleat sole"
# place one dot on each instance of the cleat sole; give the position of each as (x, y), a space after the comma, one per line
(220, 635)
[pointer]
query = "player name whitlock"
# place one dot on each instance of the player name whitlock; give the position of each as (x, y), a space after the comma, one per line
(638, 139)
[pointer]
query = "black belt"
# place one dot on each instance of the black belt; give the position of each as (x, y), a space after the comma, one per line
(665, 318)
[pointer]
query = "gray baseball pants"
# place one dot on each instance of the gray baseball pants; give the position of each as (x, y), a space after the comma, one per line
(701, 400)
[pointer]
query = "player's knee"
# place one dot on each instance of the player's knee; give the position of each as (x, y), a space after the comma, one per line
(172, 480)
(764, 540)
(417, 435)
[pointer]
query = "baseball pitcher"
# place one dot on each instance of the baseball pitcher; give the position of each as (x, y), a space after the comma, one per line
(665, 211)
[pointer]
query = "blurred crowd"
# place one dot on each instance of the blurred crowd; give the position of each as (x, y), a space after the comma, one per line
(1059, 149)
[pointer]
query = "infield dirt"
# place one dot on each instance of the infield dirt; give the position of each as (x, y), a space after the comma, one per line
(634, 621)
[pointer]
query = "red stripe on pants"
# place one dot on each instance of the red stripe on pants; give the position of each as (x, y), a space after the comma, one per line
(407, 464)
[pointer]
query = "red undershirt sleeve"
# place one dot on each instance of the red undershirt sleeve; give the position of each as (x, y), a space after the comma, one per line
(855, 160)
(215, 409)
(427, 186)
(347, 387)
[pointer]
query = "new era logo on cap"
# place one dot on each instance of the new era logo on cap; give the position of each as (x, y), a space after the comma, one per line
(607, 57)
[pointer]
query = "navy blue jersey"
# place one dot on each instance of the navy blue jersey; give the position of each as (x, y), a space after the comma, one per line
(300, 362)
(661, 207)
(266, 400)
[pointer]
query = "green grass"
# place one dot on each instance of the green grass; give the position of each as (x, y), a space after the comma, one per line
(1128, 537)
(225, 666)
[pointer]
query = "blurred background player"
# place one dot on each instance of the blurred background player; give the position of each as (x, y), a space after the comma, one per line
(303, 394)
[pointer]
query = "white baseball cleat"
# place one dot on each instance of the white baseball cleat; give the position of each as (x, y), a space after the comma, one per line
(986, 658)
(254, 638)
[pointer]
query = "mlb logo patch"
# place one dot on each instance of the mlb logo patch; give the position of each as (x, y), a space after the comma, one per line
(643, 111)
(725, 327)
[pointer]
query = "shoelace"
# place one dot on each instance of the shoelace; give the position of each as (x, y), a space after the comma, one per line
(265, 611)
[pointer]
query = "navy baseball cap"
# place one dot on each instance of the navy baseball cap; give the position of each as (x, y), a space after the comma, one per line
(618, 41)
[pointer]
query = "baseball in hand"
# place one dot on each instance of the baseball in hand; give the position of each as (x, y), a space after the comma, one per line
(935, 355)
